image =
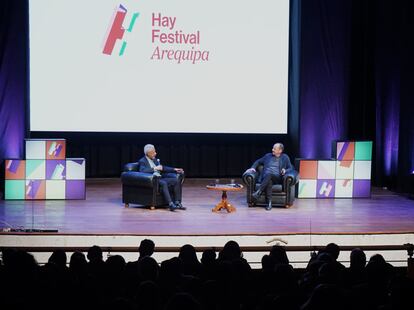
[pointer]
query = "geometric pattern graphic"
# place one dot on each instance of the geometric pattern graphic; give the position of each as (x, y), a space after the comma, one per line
(55, 169)
(116, 30)
(35, 169)
(46, 173)
(343, 188)
(345, 169)
(345, 150)
(56, 149)
(325, 188)
(15, 169)
(346, 176)
(75, 169)
(35, 189)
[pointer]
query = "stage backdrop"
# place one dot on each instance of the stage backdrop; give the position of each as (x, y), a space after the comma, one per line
(350, 77)
(175, 66)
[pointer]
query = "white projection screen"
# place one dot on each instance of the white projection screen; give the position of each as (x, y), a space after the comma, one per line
(183, 66)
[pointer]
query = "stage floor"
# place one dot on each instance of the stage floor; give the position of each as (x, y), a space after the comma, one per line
(102, 213)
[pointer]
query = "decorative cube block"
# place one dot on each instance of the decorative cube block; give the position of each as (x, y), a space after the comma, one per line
(345, 151)
(14, 189)
(44, 173)
(326, 169)
(75, 169)
(35, 189)
(55, 189)
(307, 189)
(55, 169)
(362, 189)
(35, 169)
(362, 170)
(325, 188)
(35, 149)
(345, 169)
(308, 169)
(75, 189)
(363, 150)
(56, 149)
(343, 188)
(15, 169)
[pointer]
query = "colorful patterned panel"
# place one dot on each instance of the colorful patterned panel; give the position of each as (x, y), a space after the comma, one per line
(362, 189)
(343, 188)
(35, 189)
(75, 169)
(345, 151)
(307, 189)
(55, 169)
(363, 150)
(14, 189)
(15, 169)
(326, 169)
(308, 169)
(35, 169)
(55, 149)
(75, 189)
(55, 189)
(35, 149)
(345, 169)
(325, 188)
(362, 170)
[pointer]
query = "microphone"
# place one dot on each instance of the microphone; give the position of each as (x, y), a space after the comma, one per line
(157, 173)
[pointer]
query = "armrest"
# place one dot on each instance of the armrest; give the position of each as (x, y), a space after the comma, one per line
(131, 167)
(249, 178)
(290, 178)
(139, 179)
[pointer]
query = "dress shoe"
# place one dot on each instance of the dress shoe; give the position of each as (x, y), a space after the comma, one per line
(269, 206)
(172, 206)
(179, 206)
(256, 195)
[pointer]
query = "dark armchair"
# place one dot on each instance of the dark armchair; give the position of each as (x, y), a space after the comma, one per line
(282, 194)
(142, 188)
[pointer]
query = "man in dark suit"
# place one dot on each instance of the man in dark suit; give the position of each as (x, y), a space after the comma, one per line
(275, 165)
(150, 164)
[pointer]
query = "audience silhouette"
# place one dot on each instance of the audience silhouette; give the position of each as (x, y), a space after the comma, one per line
(222, 282)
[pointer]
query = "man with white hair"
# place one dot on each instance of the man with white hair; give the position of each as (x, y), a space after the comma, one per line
(150, 164)
(275, 165)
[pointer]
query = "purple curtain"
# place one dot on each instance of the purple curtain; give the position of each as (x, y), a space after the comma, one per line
(13, 56)
(324, 79)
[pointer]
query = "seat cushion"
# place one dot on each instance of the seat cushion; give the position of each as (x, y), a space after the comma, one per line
(276, 188)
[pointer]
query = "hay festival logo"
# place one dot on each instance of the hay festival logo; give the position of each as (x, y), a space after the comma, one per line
(116, 30)
(168, 41)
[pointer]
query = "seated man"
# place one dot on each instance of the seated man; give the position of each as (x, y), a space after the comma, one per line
(275, 165)
(150, 164)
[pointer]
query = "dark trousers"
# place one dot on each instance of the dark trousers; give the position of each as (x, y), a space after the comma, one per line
(267, 182)
(173, 184)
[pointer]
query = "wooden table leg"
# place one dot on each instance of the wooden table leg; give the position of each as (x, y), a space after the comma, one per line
(224, 204)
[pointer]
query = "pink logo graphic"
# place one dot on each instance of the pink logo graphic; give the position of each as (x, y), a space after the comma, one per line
(116, 30)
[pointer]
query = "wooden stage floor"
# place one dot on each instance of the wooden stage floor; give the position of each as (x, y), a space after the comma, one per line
(103, 213)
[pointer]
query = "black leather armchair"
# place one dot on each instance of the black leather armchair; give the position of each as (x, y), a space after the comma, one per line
(282, 194)
(142, 188)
